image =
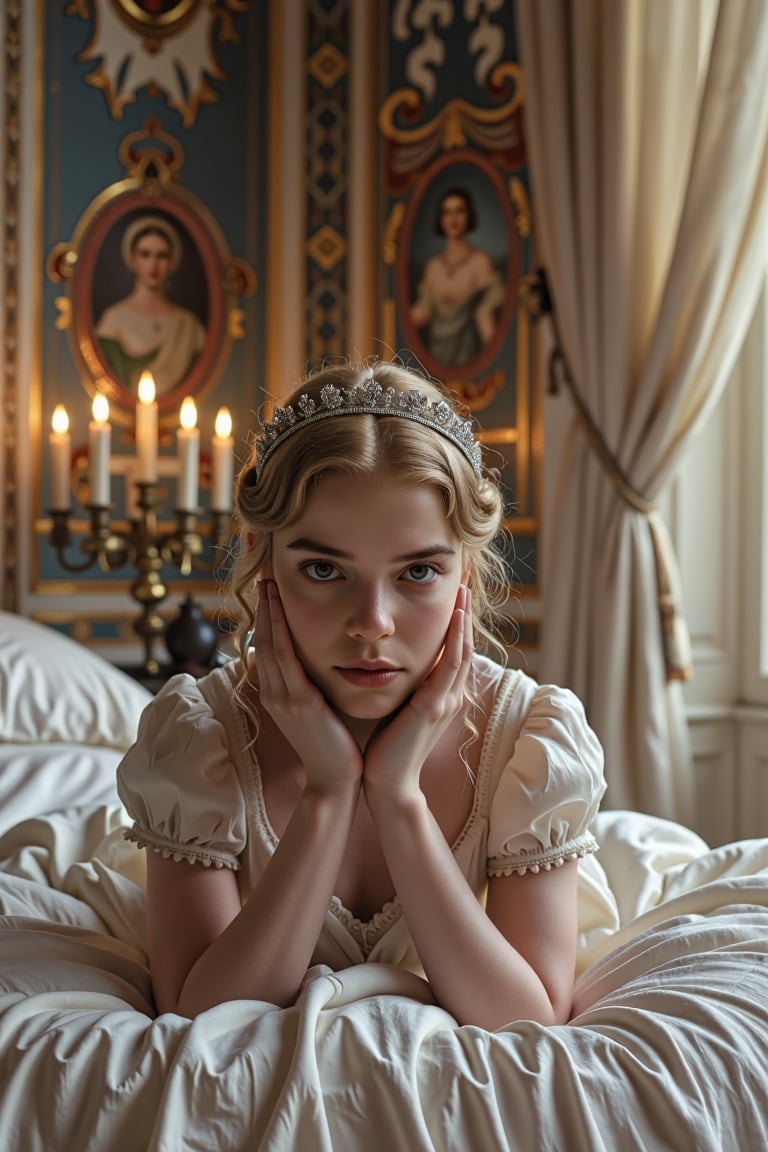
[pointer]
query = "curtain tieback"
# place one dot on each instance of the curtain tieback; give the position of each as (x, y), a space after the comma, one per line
(675, 637)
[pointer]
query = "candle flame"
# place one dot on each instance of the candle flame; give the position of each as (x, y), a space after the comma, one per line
(223, 425)
(146, 388)
(100, 408)
(60, 419)
(188, 413)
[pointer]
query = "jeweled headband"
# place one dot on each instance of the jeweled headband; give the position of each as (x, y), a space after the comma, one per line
(368, 399)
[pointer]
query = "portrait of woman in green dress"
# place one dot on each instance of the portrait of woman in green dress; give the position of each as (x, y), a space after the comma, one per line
(147, 328)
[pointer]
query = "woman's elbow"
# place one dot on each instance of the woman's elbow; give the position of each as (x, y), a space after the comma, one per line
(540, 1006)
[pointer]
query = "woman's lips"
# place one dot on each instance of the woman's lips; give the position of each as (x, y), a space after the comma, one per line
(369, 677)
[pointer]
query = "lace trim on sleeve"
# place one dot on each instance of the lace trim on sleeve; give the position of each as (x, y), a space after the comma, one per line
(543, 859)
(172, 851)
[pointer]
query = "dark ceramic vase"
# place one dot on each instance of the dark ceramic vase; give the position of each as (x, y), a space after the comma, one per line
(189, 637)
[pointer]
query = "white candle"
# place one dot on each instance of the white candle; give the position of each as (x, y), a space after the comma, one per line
(59, 442)
(223, 462)
(188, 444)
(146, 430)
(99, 442)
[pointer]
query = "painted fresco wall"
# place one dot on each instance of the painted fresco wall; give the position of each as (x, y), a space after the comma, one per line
(446, 121)
(301, 150)
(149, 112)
(456, 232)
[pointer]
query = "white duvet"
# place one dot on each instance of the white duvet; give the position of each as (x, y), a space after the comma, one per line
(666, 1048)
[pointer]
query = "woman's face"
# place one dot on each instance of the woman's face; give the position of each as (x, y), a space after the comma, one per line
(454, 216)
(368, 577)
(151, 258)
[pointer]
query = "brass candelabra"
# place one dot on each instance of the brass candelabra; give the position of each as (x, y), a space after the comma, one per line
(145, 547)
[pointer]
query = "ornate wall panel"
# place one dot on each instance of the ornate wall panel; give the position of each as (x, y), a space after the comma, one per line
(13, 77)
(300, 152)
(327, 166)
(456, 232)
(146, 112)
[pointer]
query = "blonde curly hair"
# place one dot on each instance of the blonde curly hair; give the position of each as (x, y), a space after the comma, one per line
(363, 446)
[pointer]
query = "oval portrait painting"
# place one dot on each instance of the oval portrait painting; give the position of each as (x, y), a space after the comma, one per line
(149, 301)
(458, 266)
(148, 296)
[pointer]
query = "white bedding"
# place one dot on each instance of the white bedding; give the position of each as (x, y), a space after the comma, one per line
(665, 1050)
(66, 717)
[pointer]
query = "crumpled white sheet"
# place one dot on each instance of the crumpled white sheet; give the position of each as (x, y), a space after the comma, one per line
(665, 1050)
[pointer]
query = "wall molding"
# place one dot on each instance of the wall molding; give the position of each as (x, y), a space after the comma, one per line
(12, 76)
(730, 762)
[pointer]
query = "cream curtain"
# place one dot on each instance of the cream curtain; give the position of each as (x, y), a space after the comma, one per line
(647, 137)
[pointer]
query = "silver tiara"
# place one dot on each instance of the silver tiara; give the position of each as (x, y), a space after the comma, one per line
(368, 399)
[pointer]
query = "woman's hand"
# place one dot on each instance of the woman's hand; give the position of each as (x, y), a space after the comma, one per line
(397, 752)
(331, 757)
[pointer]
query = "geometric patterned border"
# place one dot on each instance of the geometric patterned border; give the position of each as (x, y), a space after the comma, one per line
(326, 178)
(12, 136)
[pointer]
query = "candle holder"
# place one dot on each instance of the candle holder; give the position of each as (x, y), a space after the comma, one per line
(145, 547)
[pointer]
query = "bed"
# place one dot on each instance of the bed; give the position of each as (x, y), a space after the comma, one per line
(666, 1047)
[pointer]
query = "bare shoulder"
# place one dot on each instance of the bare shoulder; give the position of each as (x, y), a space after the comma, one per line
(108, 323)
(482, 265)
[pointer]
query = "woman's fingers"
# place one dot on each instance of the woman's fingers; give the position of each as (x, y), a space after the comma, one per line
(262, 632)
(279, 670)
(441, 696)
(263, 646)
(330, 756)
(468, 648)
(465, 640)
(449, 674)
(283, 650)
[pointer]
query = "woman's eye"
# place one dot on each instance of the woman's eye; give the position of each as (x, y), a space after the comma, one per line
(320, 570)
(421, 573)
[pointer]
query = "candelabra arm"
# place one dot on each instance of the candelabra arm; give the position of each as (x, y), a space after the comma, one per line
(219, 535)
(185, 544)
(108, 548)
(103, 546)
(144, 547)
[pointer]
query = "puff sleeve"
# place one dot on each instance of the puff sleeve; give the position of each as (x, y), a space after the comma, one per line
(179, 784)
(549, 790)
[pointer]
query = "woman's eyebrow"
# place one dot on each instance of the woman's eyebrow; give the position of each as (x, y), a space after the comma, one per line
(427, 553)
(306, 544)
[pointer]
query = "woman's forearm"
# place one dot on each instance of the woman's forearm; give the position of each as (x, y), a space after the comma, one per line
(265, 952)
(475, 973)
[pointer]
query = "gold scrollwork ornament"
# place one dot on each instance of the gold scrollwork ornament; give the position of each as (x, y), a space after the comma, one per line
(129, 43)
(456, 125)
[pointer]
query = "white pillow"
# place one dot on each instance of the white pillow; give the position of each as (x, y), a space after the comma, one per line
(53, 689)
(36, 779)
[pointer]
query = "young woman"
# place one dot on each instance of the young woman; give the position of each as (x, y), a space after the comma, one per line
(361, 785)
(460, 292)
(147, 329)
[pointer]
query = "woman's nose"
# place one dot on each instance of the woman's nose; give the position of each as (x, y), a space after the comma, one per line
(371, 614)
